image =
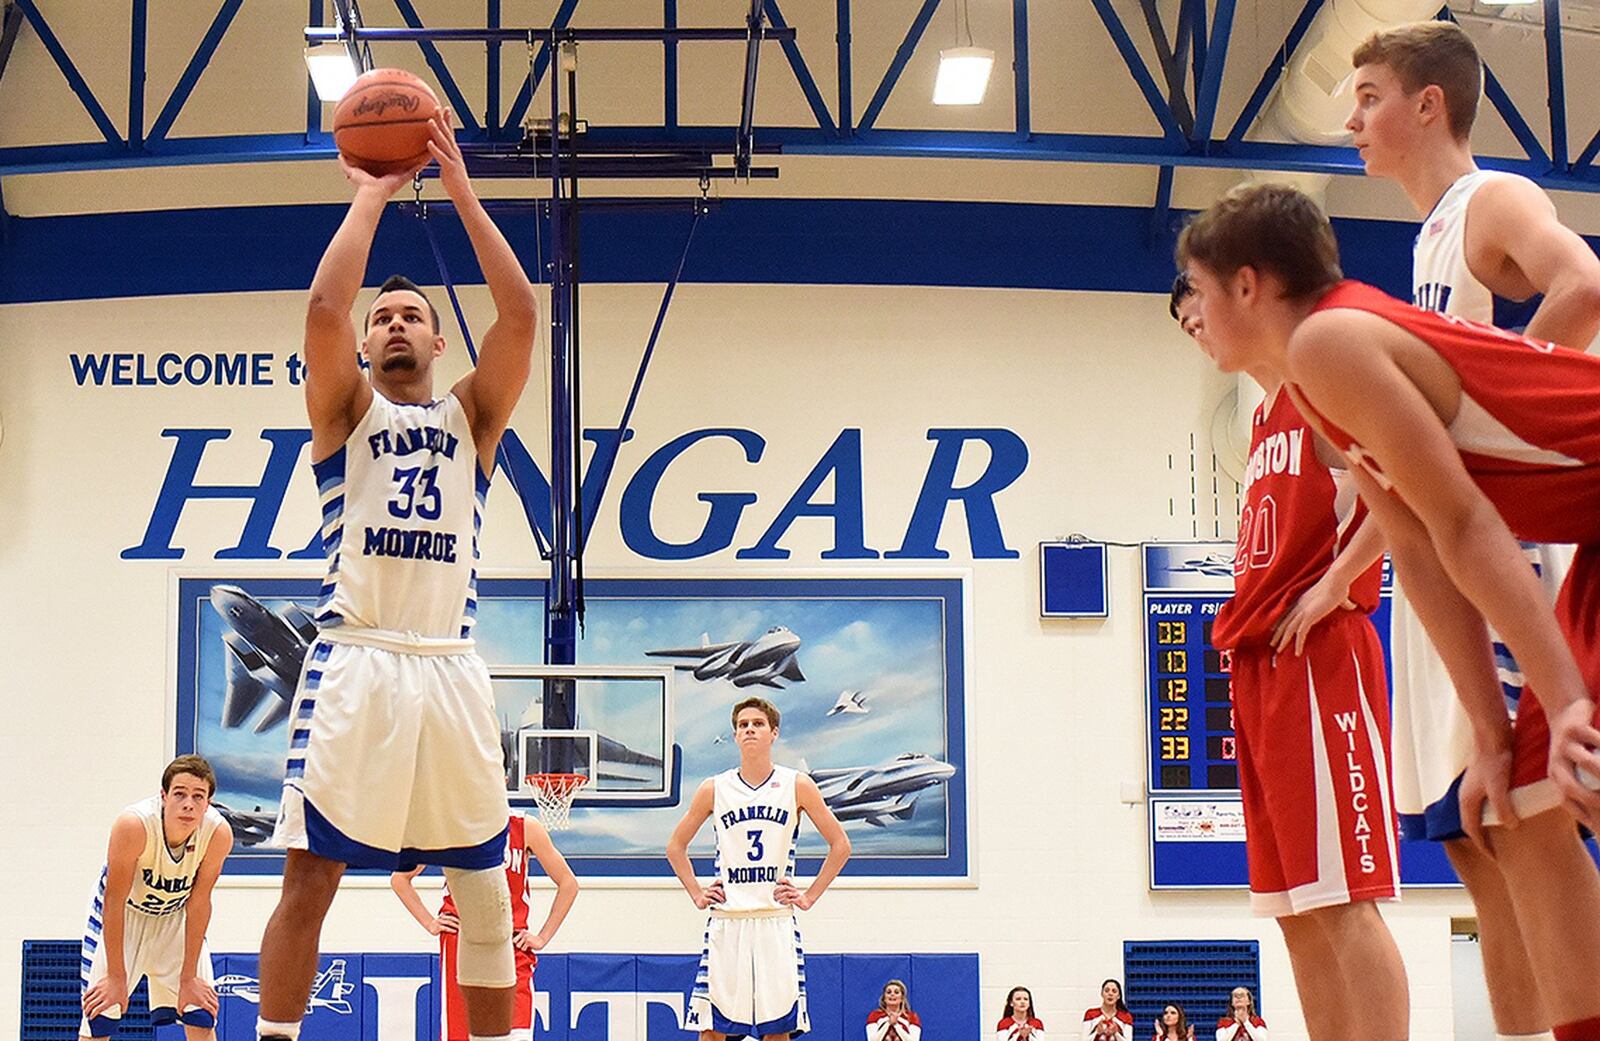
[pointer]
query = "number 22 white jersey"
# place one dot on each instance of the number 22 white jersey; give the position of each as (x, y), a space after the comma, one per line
(163, 877)
(756, 828)
(402, 502)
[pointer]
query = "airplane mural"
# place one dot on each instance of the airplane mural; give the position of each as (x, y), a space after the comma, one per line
(851, 702)
(767, 659)
(882, 794)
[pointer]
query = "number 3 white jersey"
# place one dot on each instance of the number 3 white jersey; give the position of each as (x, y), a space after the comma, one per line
(756, 830)
(402, 502)
(163, 877)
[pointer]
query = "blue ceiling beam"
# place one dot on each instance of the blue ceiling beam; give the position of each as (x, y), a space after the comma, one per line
(8, 34)
(1518, 126)
(136, 70)
(441, 71)
(1215, 64)
(919, 25)
(669, 67)
(1022, 86)
(491, 69)
(191, 74)
(802, 72)
(1171, 61)
(75, 79)
(1556, 83)
(1140, 72)
(841, 136)
(841, 39)
(998, 144)
(1274, 72)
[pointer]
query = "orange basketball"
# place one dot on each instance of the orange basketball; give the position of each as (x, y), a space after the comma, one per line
(381, 123)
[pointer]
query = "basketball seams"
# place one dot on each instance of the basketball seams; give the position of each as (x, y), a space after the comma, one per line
(358, 139)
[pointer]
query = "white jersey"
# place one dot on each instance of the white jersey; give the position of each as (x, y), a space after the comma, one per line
(1432, 735)
(756, 830)
(1440, 278)
(402, 502)
(163, 876)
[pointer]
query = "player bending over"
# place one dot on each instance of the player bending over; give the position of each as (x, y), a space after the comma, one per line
(1311, 714)
(1462, 438)
(149, 914)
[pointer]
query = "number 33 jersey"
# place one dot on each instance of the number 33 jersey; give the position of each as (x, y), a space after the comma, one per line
(756, 830)
(1297, 516)
(402, 502)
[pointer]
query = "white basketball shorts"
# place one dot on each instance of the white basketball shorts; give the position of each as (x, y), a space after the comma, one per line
(152, 948)
(752, 977)
(394, 755)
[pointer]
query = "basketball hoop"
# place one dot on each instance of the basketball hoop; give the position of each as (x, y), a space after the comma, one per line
(553, 794)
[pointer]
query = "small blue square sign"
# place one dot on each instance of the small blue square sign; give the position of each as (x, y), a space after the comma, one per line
(1072, 580)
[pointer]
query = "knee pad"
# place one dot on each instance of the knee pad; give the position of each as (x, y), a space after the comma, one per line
(483, 903)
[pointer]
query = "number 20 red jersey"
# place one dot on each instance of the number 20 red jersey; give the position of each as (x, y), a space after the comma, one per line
(1296, 518)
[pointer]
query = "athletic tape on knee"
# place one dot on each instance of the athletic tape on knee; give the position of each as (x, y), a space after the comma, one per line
(483, 904)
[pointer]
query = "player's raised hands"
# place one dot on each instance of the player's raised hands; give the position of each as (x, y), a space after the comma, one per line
(195, 992)
(107, 993)
(444, 149)
(384, 186)
(711, 896)
(787, 894)
(1575, 761)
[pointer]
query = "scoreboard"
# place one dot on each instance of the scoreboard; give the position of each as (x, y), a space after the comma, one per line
(1192, 733)
(1192, 744)
(1196, 827)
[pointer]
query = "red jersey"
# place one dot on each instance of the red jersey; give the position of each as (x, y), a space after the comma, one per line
(1528, 429)
(1092, 1019)
(1230, 1029)
(516, 864)
(1296, 519)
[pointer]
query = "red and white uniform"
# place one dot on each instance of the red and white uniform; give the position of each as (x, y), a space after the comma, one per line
(453, 1025)
(1009, 1029)
(1097, 1026)
(879, 1028)
(1312, 730)
(1230, 1029)
(1528, 431)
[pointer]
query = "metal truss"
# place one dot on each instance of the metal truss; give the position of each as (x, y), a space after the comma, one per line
(1182, 93)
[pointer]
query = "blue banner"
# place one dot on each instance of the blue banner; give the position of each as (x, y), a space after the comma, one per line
(597, 997)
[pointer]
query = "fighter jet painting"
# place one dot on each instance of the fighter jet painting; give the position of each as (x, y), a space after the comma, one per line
(266, 650)
(882, 794)
(767, 659)
(1216, 565)
(851, 702)
(249, 829)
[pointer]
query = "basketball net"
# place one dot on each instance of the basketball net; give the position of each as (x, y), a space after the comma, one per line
(553, 795)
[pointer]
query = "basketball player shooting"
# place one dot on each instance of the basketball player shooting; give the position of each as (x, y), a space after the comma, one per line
(395, 753)
(751, 980)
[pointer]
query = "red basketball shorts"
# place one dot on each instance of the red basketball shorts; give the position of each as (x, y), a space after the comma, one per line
(1578, 615)
(453, 1023)
(1313, 738)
